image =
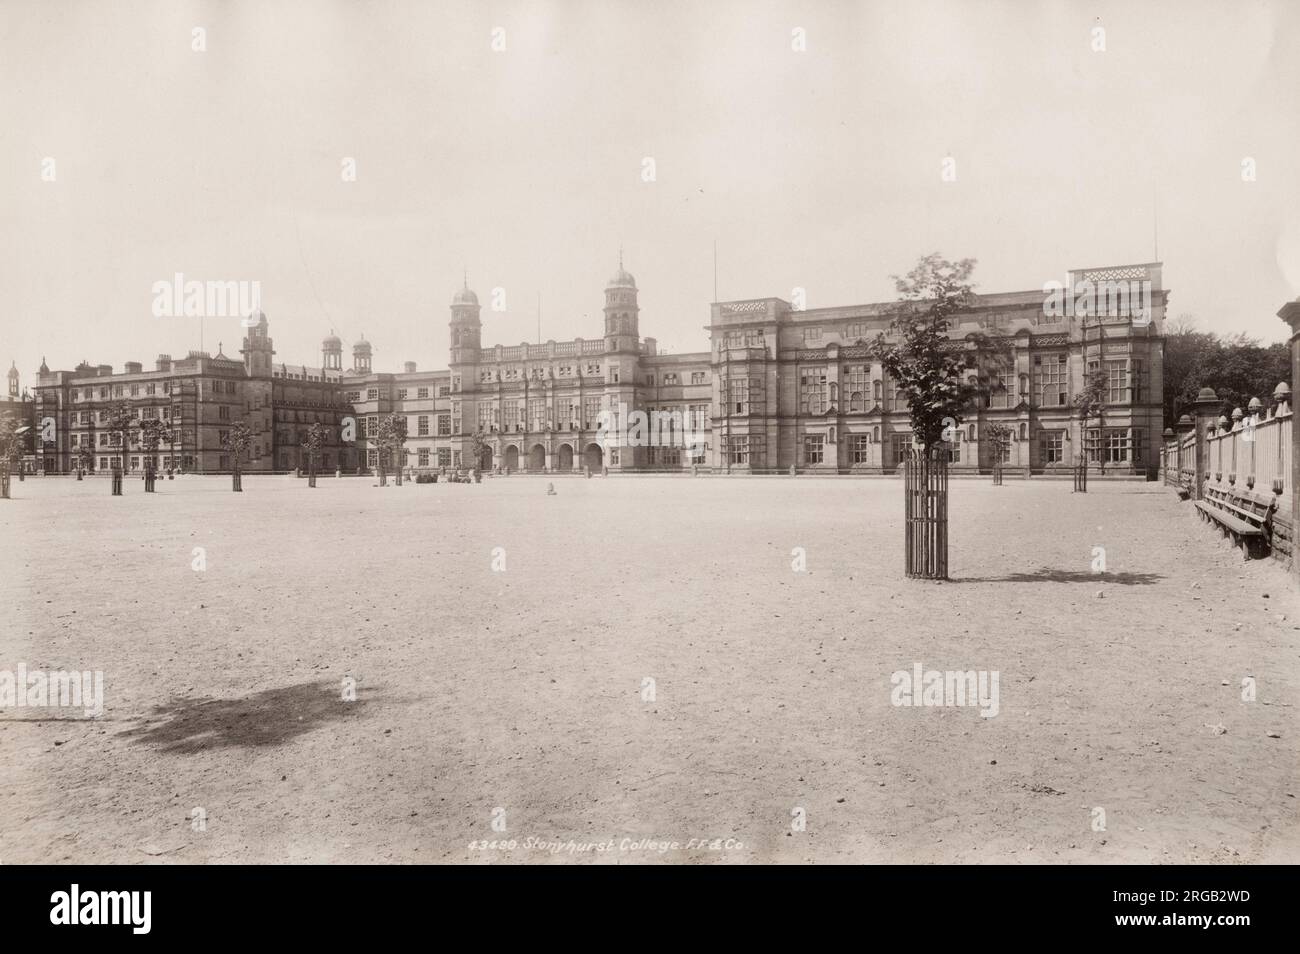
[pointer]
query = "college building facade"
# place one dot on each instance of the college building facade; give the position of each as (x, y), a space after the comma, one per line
(779, 387)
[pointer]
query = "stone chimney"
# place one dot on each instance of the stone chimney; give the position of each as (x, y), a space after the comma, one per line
(409, 367)
(133, 367)
(163, 363)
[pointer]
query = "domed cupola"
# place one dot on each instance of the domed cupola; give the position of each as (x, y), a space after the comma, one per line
(361, 353)
(331, 351)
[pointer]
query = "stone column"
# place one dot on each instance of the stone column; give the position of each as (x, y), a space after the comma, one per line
(1205, 408)
(1290, 313)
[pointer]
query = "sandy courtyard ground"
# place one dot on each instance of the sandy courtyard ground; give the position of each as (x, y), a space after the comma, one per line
(523, 694)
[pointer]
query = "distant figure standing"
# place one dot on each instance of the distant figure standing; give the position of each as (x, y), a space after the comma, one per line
(550, 490)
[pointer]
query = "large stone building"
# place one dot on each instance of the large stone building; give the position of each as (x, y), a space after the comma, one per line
(779, 387)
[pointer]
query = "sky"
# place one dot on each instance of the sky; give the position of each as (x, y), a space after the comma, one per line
(524, 168)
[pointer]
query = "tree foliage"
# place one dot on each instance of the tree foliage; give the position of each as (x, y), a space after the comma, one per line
(940, 378)
(238, 439)
(314, 440)
(12, 444)
(120, 423)
(1237, 368)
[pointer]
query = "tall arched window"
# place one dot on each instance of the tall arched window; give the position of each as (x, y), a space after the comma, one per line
(856, 401)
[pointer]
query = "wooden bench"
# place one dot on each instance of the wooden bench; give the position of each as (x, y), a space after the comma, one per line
(1185, 484)
(1243, 515)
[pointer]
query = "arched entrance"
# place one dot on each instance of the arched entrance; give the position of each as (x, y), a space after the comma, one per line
(485, 458)
(512, 458)
(537, 459)
(593, 457)
(566, 458)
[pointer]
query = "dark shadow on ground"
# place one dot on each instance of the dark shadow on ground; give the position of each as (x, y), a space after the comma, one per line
(270, 717)
(1047, 575)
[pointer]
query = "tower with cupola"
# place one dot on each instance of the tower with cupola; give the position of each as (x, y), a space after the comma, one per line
(622, 360)
(257, 349)
(465, 331)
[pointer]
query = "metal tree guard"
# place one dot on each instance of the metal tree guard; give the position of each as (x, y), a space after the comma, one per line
(925, 480)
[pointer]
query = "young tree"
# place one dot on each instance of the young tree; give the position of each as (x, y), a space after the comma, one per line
(152, 433)
(940, 379)
(121, 424)
(238, 439)
(85, 458)
(13, 439)
(477, 443)
(999, 436)
(391, 438)
(317, 437)
(1090, 402)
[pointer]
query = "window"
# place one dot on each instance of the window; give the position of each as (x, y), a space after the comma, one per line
(738, 449)
(444, 456)
(901, 444)
(401, 394)
(1118, 445)
(422, 426)
(443, 390)
(1051, 447)
(536, 414)
(487, 417)
(746, 395)
(812, 390)
(744, 339)
(697, 377)
(372, 458)
(421, 393)
(372, 394)
(897, 397)
(353, 397)
(856, 331)
(511, 410)
(1049, 380)
(223, 412)
(859, 448)
(444, 425)
(670, 378)
(1003, 389)
(855, 386)
(423, 457)
(1117, 381)
(954, 449)
(650, 380)
(812, 334)
(591, 411)
(814, 448)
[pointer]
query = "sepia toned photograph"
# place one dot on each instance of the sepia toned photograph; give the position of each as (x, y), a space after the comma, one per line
(596, 432)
